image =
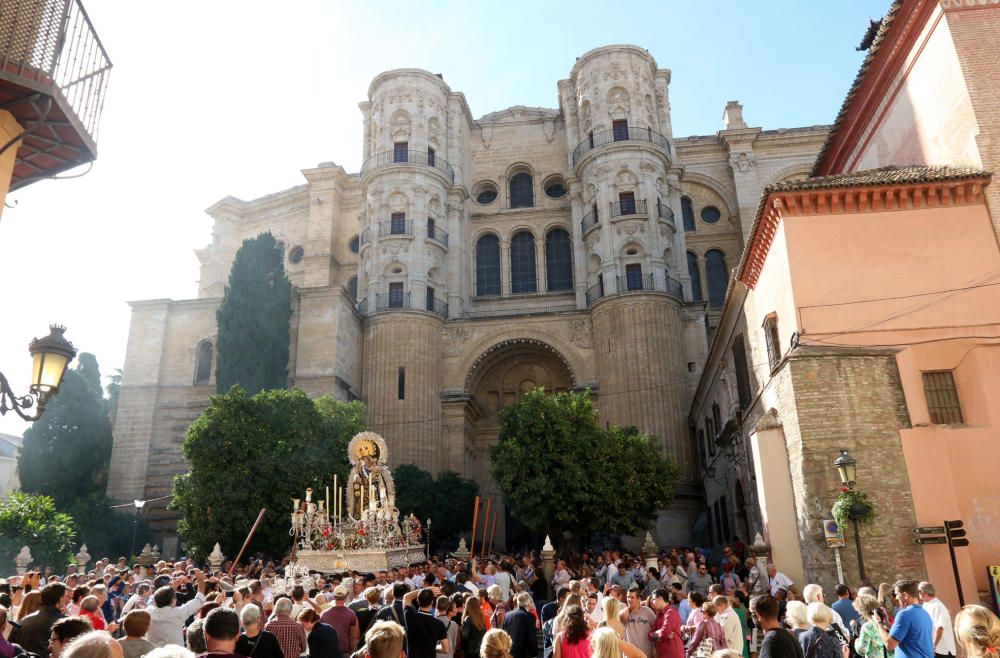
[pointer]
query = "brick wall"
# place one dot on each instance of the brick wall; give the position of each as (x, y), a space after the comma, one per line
(853, 401)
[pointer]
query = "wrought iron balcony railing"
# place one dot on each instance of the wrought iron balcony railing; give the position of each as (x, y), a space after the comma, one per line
(626, 283)
(392, 300)
(628, 207)
(438, 306)
(438, 235)
(663, 211)
(630, 134)
(589, 220)
(365, 237)
(409, 156)
(53, 75)
(395, 227)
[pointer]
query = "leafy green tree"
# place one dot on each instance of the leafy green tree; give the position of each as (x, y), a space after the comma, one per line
(253, 337)
(248, 452)
(67, 451)
(33, 521)
(559, 470)
(447, 500)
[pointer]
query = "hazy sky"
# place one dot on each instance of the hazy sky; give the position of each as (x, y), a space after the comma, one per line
(217, 97)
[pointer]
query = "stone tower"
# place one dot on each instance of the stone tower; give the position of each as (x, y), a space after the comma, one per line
(626, 195)
(407, 273)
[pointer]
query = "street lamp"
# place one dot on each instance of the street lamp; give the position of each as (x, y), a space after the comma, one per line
(139, 504)
(50, 357)
(847, 468)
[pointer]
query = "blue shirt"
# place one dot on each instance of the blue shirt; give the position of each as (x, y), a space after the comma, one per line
(914, 630)
(684, 611)
(847, 613)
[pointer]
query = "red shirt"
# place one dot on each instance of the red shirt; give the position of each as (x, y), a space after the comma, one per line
(96, 620)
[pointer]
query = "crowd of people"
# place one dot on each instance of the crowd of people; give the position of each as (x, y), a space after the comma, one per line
(606, 605)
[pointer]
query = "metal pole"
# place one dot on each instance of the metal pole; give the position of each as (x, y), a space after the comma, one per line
(954, 566)
(857, 544)
(840, 566)
(135, 524)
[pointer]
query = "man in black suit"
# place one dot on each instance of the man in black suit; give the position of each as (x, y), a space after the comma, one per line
(323, 640)
(520, 625)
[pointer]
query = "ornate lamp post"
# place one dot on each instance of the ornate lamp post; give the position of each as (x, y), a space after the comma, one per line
(139, 504)
(50, 355)
(847, 468)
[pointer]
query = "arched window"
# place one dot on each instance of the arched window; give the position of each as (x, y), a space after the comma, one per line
(717, 275)
(695, 275)
(558, 260)
(687, 213)
(352, 287)
(203, 363)
(521, 193)
(522, 263)
(488, 266)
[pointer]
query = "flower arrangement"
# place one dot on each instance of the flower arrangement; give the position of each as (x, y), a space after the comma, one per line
(852, 500)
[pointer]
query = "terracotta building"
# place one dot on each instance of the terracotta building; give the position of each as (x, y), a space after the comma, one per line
(471, 260)
(864, 316)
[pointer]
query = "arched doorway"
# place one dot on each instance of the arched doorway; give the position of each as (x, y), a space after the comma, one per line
(498, 379)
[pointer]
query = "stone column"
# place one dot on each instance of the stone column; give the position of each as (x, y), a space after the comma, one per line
(82, 558)
(739, 140)
(580, 280)
(22, 560)
(549, 564)
(145, 559)
(541, 284)
(215, 558)
(505, 273)
(650, 551)
(761, 552)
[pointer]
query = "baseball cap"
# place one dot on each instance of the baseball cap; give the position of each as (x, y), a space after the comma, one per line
(340, 592)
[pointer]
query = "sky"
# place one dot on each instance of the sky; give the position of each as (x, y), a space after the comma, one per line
(218, 97)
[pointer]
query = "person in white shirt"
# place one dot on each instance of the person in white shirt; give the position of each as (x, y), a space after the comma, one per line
(139, 600)
(943, 634)
(778, 580)
(730, 622)
(561, 576)
(166, 625)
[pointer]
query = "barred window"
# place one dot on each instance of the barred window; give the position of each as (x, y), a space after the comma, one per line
(695, 275)
(942, 397)
(558, 260)
(488, 266)
(687, 213)
(397, 224)
(522, 263)
(619, 128)
(773, 341)
(431, 228)
(718, 277)
(400, 151)
(521, 193)
(633, 276)
(352, 287)
(396, 295)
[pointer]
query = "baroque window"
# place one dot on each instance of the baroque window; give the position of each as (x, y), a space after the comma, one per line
(718, 277)
(522, 194)
(488, 266)
(687, 213)
(558, 260)
(522, 263)
(695, 275)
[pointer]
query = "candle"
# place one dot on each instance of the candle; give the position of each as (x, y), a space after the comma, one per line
(309, 494)
(328, 500)
(295, 504)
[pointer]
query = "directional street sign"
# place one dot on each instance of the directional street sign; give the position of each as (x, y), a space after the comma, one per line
(929, 530)
(930, 540)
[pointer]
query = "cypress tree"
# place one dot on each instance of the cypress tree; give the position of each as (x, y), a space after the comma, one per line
(253, 338)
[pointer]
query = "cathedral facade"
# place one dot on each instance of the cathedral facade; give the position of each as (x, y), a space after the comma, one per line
(471, 260)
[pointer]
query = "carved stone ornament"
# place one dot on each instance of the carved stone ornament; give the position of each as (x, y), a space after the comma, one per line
(454, 338)
(549, 128)
(743, 162)
(631, 228)
(580, 334)
(486, 132)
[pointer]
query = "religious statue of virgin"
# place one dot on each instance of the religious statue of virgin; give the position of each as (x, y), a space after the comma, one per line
(371, 493)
